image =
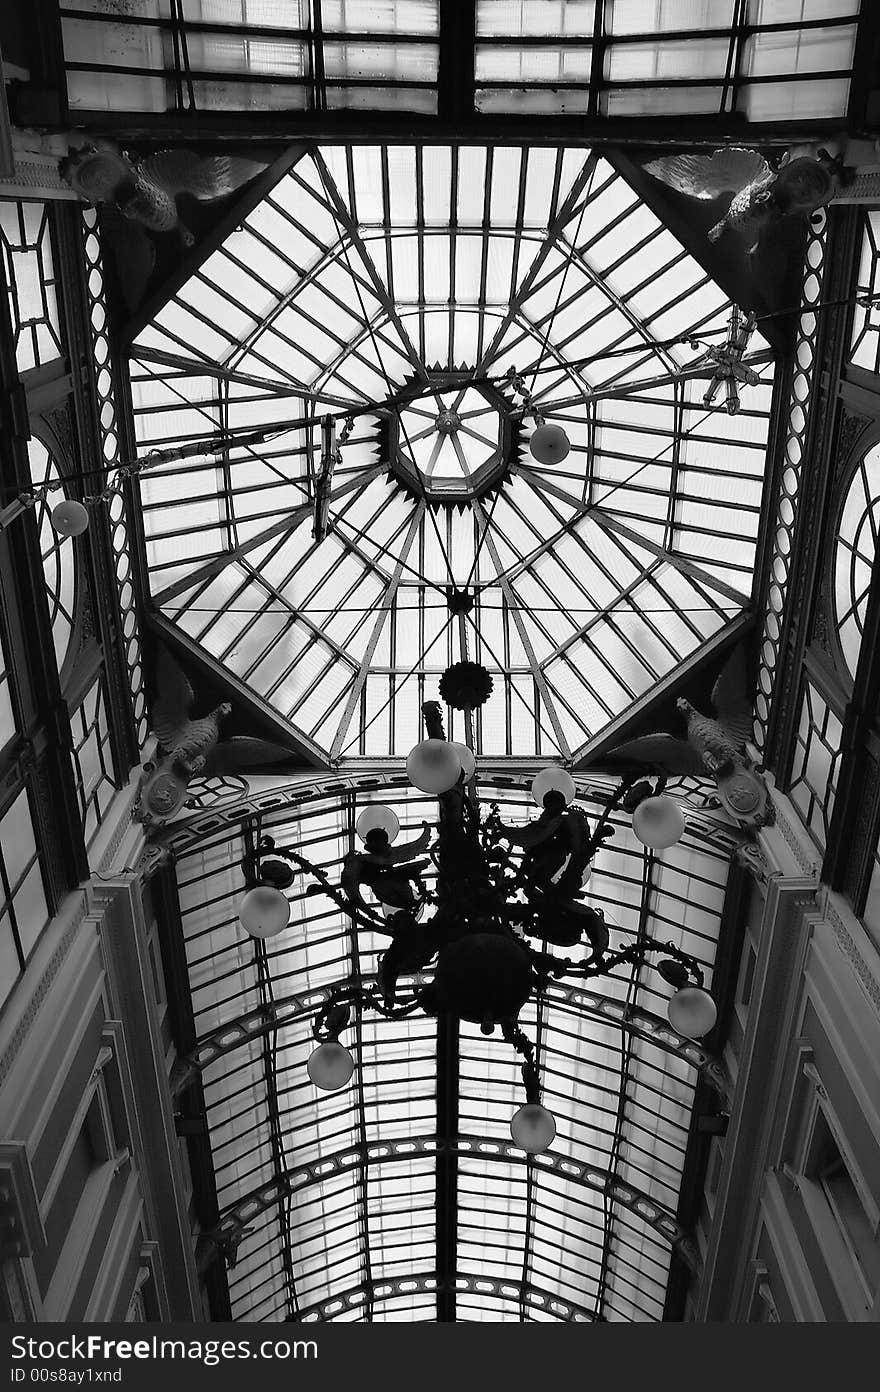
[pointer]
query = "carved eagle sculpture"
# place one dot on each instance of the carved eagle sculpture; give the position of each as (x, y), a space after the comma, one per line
(759, 195)
(191, 747)
(715, 748)
(147, 190)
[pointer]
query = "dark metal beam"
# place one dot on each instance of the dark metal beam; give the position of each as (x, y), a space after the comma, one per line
(579, 999)
(236, 128)
(427, 1282)
(231, 1228)
(455, 77)
(448, 1031)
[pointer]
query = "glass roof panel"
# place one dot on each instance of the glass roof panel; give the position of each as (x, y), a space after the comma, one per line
(359, 1215)
(347, 293)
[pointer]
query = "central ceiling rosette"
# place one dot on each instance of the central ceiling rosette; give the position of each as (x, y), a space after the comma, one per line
(436, 298)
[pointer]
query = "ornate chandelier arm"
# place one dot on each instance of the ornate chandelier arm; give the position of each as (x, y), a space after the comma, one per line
(362, 916)
(603, 827)
(514, 1035)
(335, 1015)
(678, 970)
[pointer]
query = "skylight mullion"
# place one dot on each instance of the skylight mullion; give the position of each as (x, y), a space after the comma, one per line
(581, 181)
(384, 617)
(383, 291)
(189, 367)
(537, 674)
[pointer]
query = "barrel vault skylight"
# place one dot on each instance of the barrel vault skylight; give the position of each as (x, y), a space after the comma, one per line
(421, 296)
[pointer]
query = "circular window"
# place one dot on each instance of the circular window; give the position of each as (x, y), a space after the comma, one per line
(854, 554)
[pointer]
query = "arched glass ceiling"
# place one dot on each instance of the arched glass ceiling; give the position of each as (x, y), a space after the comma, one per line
(351, 1232)
(418, 277)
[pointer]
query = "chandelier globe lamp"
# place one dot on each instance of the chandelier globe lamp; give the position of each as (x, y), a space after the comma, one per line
(548, 443)
(658, 822)
(70, 518)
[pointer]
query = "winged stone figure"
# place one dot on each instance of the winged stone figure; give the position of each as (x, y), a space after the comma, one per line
(191, 747)
(759, 194)
(147, 190)
(715, 747)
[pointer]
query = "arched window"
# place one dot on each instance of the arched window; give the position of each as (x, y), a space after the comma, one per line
(57, 552)
(854, 553)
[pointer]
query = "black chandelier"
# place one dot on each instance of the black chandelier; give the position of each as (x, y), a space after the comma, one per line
(499, 889)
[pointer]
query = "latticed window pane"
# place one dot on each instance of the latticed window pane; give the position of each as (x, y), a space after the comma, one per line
(23, 909)
(251, 54)
(855, 554)
(816, 766)
(865, 342)
(92, 759)
(30, 279)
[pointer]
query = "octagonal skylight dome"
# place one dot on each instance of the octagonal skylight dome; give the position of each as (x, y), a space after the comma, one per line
(430, 299)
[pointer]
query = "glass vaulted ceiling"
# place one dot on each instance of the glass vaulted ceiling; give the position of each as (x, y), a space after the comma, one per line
(402, 285)
(337, 1193)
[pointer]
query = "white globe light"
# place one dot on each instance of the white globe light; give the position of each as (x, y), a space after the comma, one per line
(549, 444)
(376, 817)
(550, 778)
(264, 912)
(70, 518)
(465, 758)
(532, 1128)
(433, 766)
(330, 1066)
(692, 1012)
(658, 822)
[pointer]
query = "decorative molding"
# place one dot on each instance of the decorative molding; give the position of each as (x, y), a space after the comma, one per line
(796, 838)
(865, 188)
(34, 177)
(863, 973)
(22, 1226)
(852, 425)
(41, 990)
(821, 629)
(752, 857)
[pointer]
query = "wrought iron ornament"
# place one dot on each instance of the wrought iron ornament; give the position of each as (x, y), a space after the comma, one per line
(477, 942)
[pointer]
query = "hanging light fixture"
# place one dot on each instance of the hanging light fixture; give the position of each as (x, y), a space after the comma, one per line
(658, 822)
(466, 759)
(533, 1128)
(548, 443)
(692, 1012)
(377, 817)
(496, 888)
(330, 1066)
(433, 766)
(557, 780)
(264, 912)
(70, 518)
